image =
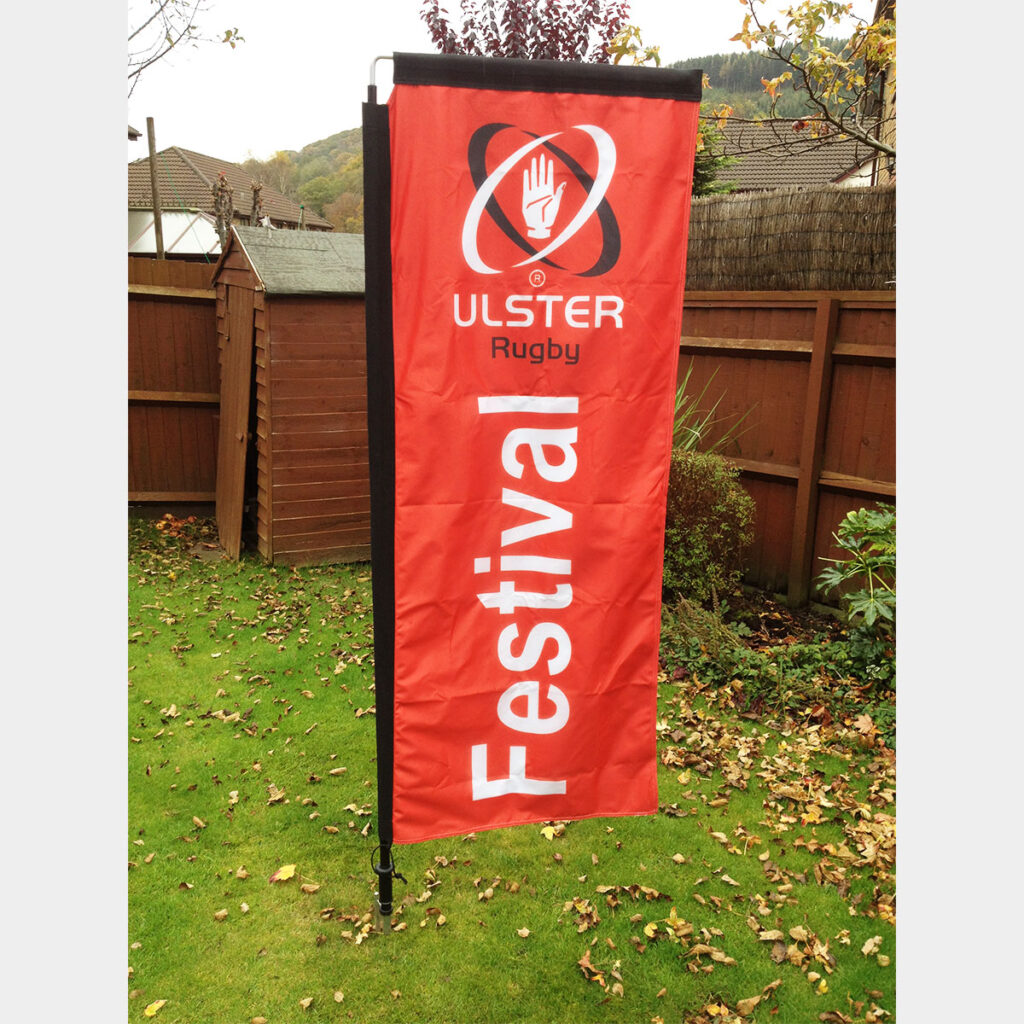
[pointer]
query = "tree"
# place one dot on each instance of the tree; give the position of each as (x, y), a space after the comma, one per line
(578, 30)
(155, 27)
(279, 172)
(848, 85)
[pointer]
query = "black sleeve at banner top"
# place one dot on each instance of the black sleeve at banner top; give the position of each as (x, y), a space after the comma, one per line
(545, 76)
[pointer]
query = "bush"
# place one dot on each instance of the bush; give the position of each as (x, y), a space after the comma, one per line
(869, 538)
(708, 527)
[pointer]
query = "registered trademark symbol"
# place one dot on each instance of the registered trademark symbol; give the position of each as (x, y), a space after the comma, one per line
(537, 278)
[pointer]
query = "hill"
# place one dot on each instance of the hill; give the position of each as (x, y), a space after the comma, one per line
(327, 175)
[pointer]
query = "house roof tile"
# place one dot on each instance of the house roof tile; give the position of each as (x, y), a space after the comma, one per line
(186, 179)
(774, 155)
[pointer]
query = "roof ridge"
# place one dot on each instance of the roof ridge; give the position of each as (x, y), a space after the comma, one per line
(202, 177)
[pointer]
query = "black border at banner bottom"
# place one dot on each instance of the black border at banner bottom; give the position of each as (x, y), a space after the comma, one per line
(513, 74)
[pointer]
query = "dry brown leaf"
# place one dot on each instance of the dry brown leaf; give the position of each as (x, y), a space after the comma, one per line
(220, 915)
(198, 822)
(746, 1006)
(522, 932)
(872, 946)
(306, 1003)
(310, 887)
(339, 997)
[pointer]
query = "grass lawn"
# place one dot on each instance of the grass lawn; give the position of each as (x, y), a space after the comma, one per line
(762, 891)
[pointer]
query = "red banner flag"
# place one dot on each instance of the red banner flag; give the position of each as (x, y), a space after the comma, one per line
(539, 219)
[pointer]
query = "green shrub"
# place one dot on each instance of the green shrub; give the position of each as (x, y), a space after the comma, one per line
(708, 527)
(869, 538)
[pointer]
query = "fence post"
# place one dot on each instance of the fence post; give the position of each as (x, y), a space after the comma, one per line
(812, 447)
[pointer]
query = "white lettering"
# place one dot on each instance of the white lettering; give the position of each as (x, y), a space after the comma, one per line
(573, 312)
(527, 403)
(537, 439)
(517, 782)
(508, 599)
(614, 311)
(533, 647)
(579, 312)
(525, 313)
(532, 722)
(555, 518)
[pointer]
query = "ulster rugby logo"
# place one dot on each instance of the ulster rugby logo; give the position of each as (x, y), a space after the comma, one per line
(542, 201)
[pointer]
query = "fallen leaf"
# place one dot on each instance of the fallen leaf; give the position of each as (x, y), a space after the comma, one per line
(282, 874)
(310, 887)
(746, 1006)
(198, 822)
(872, 946)
(306, 1003)
(522, 932)
(220, 915)
(153, 1008)
(244, 908)
(339, 997)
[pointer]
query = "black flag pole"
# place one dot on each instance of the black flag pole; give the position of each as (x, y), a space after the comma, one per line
(380, 387)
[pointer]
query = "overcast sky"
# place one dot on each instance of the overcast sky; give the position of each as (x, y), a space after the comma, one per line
(302, 71)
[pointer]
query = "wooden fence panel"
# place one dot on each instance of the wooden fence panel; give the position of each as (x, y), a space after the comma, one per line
(820, 439)
(816, 370)
(173, 382)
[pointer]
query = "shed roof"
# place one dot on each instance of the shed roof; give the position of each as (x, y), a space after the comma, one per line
(186, 179)
(304, 262)
(774, 155)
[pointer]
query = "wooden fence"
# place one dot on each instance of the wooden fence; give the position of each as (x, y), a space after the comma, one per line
(817, 372)
(816, 369)
(173, 382)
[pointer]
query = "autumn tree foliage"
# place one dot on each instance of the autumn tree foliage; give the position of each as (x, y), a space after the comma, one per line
(849, 88)
(577, 30)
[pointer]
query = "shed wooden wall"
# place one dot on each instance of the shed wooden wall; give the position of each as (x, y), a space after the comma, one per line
(313, 462)
(173, 382)
(817, 369)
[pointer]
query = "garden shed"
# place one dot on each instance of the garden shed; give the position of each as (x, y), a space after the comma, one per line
(292, 457)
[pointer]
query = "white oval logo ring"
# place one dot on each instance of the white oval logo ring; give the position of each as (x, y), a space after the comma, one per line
(605, 170)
